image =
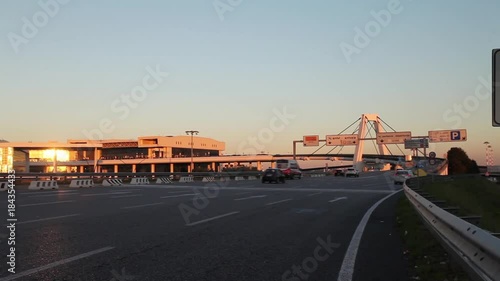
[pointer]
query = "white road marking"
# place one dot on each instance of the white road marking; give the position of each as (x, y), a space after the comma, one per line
(127, 190)
(277, 202)
(179, 191)
(125, 196)
(347, 268)
(180, 195)
(46, 219)
(210, 219)
(338, 199)
(105, 194)
(140, 206)
(46, 203)
(250, 197)
(314, 194)
(48, 192)
(54, 264)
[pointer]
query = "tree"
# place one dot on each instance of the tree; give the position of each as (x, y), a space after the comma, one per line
(460, 163)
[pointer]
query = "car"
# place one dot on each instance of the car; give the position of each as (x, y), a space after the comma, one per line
(290, 168)
(339, 172)
(351, 172)
(402, 175)
(273, 175)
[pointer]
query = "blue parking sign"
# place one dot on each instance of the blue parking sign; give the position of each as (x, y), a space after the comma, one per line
(455, 135)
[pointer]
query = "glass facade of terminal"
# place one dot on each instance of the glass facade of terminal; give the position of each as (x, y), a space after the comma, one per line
(6, 159)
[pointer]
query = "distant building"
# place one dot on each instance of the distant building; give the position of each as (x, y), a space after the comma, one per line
(145, 154)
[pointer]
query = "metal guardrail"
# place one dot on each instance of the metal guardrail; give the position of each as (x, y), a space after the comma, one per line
(476, 249)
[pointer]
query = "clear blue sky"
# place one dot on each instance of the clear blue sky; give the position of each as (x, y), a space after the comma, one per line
(226, 76)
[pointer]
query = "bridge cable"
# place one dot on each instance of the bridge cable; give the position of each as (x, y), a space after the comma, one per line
(375, 146)
(397, 145)
(337, 134)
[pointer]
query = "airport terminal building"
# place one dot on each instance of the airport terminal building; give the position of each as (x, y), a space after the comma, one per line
(145, 154)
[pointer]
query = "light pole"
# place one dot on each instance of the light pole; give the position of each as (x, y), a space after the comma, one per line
(489, 156)
(192, 133)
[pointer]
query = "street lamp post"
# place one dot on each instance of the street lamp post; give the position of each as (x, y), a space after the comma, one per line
(489, 156)
(192, 133)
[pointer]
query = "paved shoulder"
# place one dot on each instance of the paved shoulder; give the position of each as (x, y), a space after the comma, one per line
(380, 255)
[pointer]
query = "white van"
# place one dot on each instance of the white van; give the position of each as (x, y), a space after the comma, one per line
(290, 168)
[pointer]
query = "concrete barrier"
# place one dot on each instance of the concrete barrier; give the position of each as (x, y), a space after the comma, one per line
(186, 179)
(4, 186)
(39, 185)
(139, 181)
(81, 183)
(225, 179)
(252, 177)
(112, 182)
(163, 180)
(208, 179)
(239, 178)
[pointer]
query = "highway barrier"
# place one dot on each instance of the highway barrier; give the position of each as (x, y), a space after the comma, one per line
(112, 182)
(208, 179)
(252, 177)
(477, 250)
(39, 185)
(239, 178)
(81, 183)
(4, 186)
(186, 179)
(163, 180)
(139, 181)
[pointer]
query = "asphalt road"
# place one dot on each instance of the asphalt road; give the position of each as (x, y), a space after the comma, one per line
(306, 229)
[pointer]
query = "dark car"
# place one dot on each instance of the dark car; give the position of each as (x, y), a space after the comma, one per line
(273, 175)
(339, 172)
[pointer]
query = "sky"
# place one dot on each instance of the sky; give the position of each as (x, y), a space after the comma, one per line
(254, 74)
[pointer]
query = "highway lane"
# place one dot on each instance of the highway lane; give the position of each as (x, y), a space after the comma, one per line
(231, 231)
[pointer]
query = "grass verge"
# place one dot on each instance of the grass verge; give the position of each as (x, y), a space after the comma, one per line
(474, 196)
(427, 259)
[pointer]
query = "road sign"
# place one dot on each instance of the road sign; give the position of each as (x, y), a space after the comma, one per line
(393, 138)
(341, 140)
(448, 135)
(496, 87)
(416, 143)
(311, 140)
(432, 154)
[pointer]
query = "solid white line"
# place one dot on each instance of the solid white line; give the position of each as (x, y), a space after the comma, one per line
(139, 206)
(347, 268)
(54, 264)
(337, 199)
(251, 197)
(125, 196)
(314, 194)
(105, 194)
(180, 195)
(47, 203)
(210, 219)
(46, 219)
(277, 202)
(179, 191)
